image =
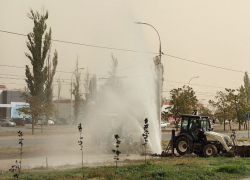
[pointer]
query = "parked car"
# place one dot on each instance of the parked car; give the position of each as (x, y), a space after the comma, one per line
(19, 121)
(51, 122)
(63, 121)
(43, 122)
(28, 121)
(7, 123)
(163, 125)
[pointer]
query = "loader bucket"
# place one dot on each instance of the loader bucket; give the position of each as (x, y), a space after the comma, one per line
(242, 151)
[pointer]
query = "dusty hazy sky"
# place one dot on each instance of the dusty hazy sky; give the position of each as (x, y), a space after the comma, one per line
(212, 32)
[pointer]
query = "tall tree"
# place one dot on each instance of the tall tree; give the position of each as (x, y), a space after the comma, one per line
(247, 87)
(239, 107)
(86, 86)
(222, 107)
(204, 111)
(93, 88)
(38, 44)
(184, 101)
(58, 98)
(113, 81)
(48, 97)
(77, 94)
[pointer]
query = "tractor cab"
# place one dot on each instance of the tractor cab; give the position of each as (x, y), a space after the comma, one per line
(195, 126)
(192, 123)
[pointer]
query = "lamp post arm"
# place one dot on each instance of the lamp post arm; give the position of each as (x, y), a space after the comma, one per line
(156, 32)
(192, 78)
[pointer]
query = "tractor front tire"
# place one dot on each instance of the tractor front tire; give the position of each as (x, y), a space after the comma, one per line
(182, 146)
(210, 150)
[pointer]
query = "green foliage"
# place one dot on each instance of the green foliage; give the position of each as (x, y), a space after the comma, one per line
(77, 96)
(145, 133)
(113, 82)
(81, 144)
(145, 137)
(247, 87)
(205, 112)
(223, 109)
(232, 169)
(49, 109)
(231, 105)
(165, 168)
(239, 106)
(116, 151)
(16, 169)
(35, 109)
(39, 80)
(93, 88)
(184, 101)
(76, 92)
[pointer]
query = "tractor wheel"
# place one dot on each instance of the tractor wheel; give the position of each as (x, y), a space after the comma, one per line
(209, 150)
(182, 145)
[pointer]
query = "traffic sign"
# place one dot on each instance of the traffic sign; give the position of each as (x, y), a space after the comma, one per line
(248, 115)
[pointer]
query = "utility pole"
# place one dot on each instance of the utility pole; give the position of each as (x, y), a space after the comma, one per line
(159, 68)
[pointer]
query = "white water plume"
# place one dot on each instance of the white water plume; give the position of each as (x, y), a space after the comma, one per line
(128, 105)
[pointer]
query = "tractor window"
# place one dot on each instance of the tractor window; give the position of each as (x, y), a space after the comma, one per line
(194, 124)
(184, 124)
(204, 125)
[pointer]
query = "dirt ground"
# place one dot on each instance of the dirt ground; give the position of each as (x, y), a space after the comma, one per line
(57, 148)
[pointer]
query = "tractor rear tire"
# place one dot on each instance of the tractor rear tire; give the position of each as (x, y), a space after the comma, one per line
(210, 150)
(182, 146)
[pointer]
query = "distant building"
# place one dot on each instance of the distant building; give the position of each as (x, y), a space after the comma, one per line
(10, 101)
(2, 87)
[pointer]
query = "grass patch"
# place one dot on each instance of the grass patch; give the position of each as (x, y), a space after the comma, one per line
(165, 168)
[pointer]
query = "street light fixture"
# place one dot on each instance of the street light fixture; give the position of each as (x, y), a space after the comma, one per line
(71, 105)
(192, 78)
(159, 72)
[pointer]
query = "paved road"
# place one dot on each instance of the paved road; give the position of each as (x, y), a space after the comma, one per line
(62, 139)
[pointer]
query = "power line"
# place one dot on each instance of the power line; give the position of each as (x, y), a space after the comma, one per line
(210, 93)
(3, 65)
(11, 75)
(195, 84)
(204, 64)
(82, 44)
(129, 50)
(12, 78)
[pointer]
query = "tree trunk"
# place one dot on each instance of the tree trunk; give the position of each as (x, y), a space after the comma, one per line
(33, 121)
(230, 125)
(239, 125)
(224, 124)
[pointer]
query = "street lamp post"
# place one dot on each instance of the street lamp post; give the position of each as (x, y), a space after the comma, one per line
(71, 105)
(159, 72)
(192, 78)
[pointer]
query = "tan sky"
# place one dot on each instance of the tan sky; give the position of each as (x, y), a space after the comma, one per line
(209, 32)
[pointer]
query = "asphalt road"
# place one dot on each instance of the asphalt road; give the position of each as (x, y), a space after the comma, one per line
(62, 139)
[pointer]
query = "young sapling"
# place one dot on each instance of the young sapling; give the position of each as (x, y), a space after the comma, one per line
(81, 144)
(116, 151)
(145, 137)
(16, 169)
